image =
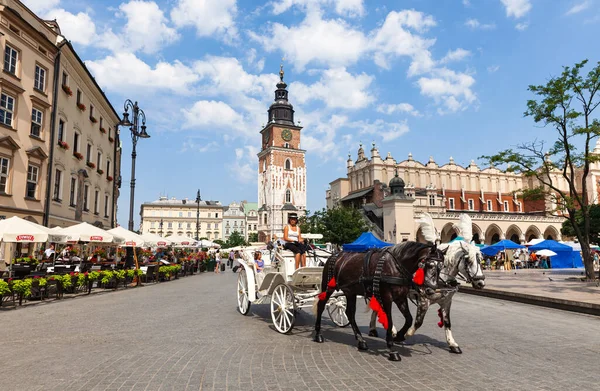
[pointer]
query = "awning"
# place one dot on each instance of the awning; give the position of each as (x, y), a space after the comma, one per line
(358, 194)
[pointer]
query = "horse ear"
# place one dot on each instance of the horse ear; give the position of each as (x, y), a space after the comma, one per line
(444, 251)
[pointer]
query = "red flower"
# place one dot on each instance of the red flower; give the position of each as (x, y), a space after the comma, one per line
(85, 274)
(37, 277)
(10, 279)
(30, 257)
(72, 274)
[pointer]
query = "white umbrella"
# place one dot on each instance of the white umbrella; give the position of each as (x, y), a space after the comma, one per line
(207, 243)
(154, 240)
(131, 238)
(546, 253)
(533, 242)
(182, 241)
(85, 232)
(18, 230)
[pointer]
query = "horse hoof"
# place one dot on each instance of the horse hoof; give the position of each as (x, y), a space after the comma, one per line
(373, 333)
(399, 338)
(455, 350)
(394, 356)
(362, 345)
(319, 338)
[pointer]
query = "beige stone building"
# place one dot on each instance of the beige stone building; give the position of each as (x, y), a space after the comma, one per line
(26, 100)
(489, 195)
(251, 212)
(167, 217)
(86, 157)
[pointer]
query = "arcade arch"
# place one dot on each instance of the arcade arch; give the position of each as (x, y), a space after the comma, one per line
(448, 233)
(532, 232)
(514, 234)
(552, 233)
(493, 234)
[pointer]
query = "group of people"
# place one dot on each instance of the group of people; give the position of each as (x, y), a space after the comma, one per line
(520, 258)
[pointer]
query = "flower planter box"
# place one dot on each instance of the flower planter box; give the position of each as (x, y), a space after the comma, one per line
(67, 90)
(63, 145)
(78, 155)
(81, 106)
(91, 165)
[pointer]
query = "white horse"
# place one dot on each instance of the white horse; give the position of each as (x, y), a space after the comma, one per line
(462, 260)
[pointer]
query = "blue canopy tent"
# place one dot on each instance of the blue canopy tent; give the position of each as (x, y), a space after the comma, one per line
(565, 256)
(365, 241)
(501, 246)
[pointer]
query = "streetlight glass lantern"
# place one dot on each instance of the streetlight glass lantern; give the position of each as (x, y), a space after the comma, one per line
(125, 121)
(143, 133)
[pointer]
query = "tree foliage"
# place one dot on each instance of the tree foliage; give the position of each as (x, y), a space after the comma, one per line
(253, 237)
(594, 236)
(236, 239)
(338, 225)
(565, 104)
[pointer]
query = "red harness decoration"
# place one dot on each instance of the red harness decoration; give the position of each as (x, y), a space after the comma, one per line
(419, 277)
(441, 322)
(381, 315)
(330, 287)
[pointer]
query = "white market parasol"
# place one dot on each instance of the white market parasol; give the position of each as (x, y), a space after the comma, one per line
(18, 230)
(131, 238)
(85, 232)
(153, 240)
(207, 243)
(546, 253)
(182, 241)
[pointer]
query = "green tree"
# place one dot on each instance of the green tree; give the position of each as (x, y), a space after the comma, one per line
(220, 243)
(338, 225)
(236, 239)
(568, 230)
(565, 104)
(253, 237)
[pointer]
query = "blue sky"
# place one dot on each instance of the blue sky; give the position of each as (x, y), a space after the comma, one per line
(434, 78)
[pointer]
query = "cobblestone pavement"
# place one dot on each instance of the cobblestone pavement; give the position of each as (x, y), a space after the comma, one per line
(188, 335)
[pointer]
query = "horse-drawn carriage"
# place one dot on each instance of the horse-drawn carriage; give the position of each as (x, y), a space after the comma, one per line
(286, 288)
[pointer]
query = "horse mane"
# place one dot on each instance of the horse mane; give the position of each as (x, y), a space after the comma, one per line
(408, 250)
(454, 249)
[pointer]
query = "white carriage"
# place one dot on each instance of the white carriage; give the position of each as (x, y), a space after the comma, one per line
(286, 288)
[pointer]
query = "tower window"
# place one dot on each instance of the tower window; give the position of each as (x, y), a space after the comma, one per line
(288, 164)
(288, 196)
(286, 145)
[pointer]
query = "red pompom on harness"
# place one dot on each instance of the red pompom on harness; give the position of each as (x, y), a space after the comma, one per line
(330, 287)
(381, 315)
(419, 277)
(441, 322)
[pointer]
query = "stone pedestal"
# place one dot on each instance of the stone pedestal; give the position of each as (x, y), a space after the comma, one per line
(398, 216)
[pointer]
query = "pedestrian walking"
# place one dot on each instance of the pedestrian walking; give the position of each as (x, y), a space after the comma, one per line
(217, 262)
(230, 260)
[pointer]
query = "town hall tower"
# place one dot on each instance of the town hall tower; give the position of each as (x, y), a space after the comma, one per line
(281, 167)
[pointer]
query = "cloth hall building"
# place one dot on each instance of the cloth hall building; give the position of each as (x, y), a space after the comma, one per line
(392, 195)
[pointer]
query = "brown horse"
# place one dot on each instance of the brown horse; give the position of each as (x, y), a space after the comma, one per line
(386, 275)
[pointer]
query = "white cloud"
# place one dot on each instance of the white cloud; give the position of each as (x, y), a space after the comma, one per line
(516, 8)
(577, 8)
(198, 146)
(450, 89)
(41, 6)
(332, 42)
(337, 88)
(342, 7)
(207, 16)
(78, 28)
(455, 55)
(398, 108)
(254, 61)
(244, 169)
(476, 25)
(466, 3)
(395, 39)
(211, 115)
(388, 131)
(146, 27)
(124, 72)
(493, 68)
(521, 26)
(319, 134)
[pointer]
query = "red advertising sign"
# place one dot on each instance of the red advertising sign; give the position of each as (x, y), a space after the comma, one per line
(96, 238)
(185, 243)
(25, 238)
(130, 243)
(161, 243)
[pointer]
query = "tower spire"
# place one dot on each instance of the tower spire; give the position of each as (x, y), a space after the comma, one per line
(281, 111)
(281, 72)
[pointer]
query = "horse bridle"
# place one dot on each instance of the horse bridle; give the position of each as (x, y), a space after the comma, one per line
(425, 259)
(469, 279)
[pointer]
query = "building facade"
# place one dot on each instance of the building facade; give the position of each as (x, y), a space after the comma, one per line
(59, 148)
(251, 212)
(26, 101)
(234, 220)
(281, 167)
(86, 159)
(490, 196)
(167, 217)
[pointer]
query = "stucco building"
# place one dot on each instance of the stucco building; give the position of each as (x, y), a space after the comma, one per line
(59, 148)
(26, 101)
(251, 212)
(234, 220)
(170, 216)
(489, 195)
(281, 167)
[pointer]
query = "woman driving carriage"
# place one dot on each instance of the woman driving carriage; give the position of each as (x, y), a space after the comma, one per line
(293, 240)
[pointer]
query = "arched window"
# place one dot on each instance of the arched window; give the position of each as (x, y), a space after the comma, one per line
(288, 196)
(288, 164)
(265, 219)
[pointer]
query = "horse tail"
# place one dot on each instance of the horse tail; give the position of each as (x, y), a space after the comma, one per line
(328, 283)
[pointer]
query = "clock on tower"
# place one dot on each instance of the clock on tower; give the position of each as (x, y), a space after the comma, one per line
(281, 167)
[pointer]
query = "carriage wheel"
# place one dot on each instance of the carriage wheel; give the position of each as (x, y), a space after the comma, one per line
(283, 308)
(242, 295)
(336, 307)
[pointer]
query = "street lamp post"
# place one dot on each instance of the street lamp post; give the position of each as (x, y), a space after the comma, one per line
(198, 199)
(137, 132)
(161, 226)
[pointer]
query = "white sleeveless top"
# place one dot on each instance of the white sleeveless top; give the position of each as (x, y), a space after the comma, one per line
(293, 235)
